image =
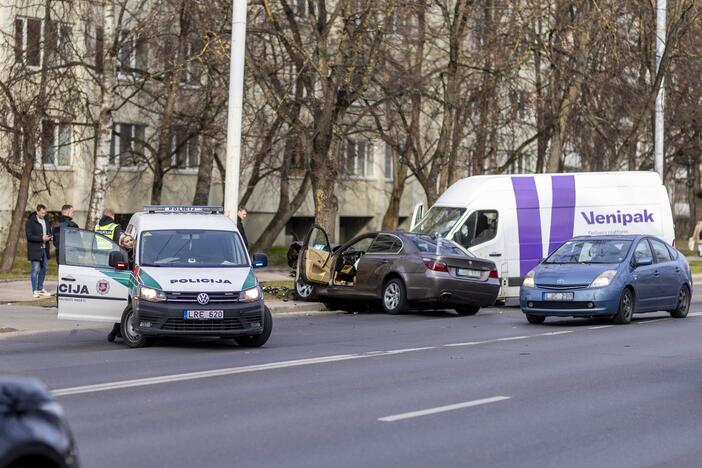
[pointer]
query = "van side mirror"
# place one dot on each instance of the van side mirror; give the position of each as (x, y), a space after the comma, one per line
(118, 260)
(260, 260)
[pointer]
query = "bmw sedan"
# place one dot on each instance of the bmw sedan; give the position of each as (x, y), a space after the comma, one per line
(608, 276)
(399, 270)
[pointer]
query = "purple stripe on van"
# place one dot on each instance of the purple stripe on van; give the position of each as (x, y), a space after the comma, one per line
(562, 210)
(528, 223)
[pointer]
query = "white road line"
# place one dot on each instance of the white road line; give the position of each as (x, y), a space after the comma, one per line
(598, 327)
(467, 343)
(641, 322)
(694, 314)
(442, 409)
(563, 332)
(513, 338)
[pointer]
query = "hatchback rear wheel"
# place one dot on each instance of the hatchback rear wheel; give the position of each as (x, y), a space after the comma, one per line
(683, 306)
(626, 308)
(466, 310)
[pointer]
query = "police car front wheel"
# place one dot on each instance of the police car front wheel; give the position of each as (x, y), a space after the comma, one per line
(131, 337)
(256, 341)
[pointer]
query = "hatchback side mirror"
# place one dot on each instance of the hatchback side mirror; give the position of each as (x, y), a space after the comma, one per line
(118, 260)
(642, 262)
(260, 260)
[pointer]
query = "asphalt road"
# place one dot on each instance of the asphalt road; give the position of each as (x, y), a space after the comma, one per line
(371, 390)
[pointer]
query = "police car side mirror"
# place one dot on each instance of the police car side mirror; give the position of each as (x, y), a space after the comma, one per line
(260, 260)
(118, 260)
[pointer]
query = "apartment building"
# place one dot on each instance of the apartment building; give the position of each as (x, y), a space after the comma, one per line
(65, 142)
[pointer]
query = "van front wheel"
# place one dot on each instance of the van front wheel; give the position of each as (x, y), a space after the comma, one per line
(256, 341)
(131, 337)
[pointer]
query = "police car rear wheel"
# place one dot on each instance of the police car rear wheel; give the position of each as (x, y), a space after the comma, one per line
(256, 341)
(131, 337)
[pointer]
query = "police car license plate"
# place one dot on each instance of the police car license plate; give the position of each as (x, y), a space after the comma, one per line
(203, 314)
(559, 296)
(468, 273)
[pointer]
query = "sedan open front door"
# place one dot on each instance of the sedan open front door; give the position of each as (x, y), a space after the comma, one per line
(315, 258)
(94, 277)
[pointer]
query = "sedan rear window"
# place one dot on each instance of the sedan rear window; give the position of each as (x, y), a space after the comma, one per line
(591, 251)
(436, 245)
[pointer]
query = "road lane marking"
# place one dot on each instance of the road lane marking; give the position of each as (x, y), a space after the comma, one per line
(694, 314)
(653, 320)
(147, 381)
(442, 409)
(599, 327)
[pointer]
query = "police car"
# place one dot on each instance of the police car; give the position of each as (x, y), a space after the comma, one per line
(191, 275)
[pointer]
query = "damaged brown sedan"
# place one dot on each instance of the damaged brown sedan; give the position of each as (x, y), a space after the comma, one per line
(400, 270)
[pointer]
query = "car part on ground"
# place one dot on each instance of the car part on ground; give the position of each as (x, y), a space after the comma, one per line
(33, 430)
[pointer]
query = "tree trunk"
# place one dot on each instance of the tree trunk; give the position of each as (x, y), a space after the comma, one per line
(391, 218)
(157, 187)
(286, 210)
(19, 210)
(104, 127)
(204, 173)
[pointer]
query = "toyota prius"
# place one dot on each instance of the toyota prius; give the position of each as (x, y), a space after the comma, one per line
(608, 276)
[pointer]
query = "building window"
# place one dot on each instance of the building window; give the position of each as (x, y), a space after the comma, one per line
(30, 33)
(131, 54)
(56, 143)
(358, 158)
(388, 163)
(186, 151)
(95, 45)
(28, 38)
(192, 70)
(304, 8)
(127, 146)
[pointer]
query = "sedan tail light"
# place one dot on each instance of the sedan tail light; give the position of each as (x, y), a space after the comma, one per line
(434, 265)
(493, 274)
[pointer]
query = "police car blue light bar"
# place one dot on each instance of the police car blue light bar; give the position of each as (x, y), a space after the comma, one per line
(183, 209)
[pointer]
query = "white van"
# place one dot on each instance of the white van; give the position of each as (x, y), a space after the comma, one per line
(188, 274)
(516, 220)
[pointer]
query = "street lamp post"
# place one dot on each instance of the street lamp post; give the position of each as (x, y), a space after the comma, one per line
(236, 105)
(659, 147)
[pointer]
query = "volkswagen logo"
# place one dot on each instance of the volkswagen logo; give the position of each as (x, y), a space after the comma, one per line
(203, 298)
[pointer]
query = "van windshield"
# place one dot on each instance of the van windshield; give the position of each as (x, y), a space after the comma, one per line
(192, 248)
(591, 251)
(439, 220)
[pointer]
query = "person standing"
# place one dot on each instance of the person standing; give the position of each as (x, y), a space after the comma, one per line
(108, 228)
(240, 217)
(65, 220)
(37, 230)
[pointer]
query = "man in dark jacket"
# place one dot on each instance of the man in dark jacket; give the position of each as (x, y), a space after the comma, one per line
(38, 231)
(240, 216)
(65, 220)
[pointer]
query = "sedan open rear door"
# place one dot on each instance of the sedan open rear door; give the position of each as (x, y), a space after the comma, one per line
(315, 257)
(94, 277)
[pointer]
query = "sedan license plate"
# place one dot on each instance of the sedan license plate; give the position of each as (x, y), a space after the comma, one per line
(558, 296)
(468, 273)
(203, 314)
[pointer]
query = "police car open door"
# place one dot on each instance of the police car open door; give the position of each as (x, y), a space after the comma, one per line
(93, 276)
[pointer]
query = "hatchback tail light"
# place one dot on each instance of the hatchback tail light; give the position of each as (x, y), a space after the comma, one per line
(493, 274)
(434, 265)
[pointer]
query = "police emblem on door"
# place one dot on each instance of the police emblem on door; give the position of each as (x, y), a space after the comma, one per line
(203, 298)
(102, 287)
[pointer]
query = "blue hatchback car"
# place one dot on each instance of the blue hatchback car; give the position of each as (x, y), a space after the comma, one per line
(608, 276)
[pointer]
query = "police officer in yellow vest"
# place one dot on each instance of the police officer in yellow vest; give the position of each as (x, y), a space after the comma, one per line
(108, 228)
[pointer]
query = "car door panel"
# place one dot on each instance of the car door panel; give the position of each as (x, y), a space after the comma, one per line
(315, 257)
(644, 278)
(668, 283)
(88, 288)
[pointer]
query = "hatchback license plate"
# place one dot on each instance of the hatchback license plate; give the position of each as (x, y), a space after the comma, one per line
(203, 314)
(468, 273)
(558, 296)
